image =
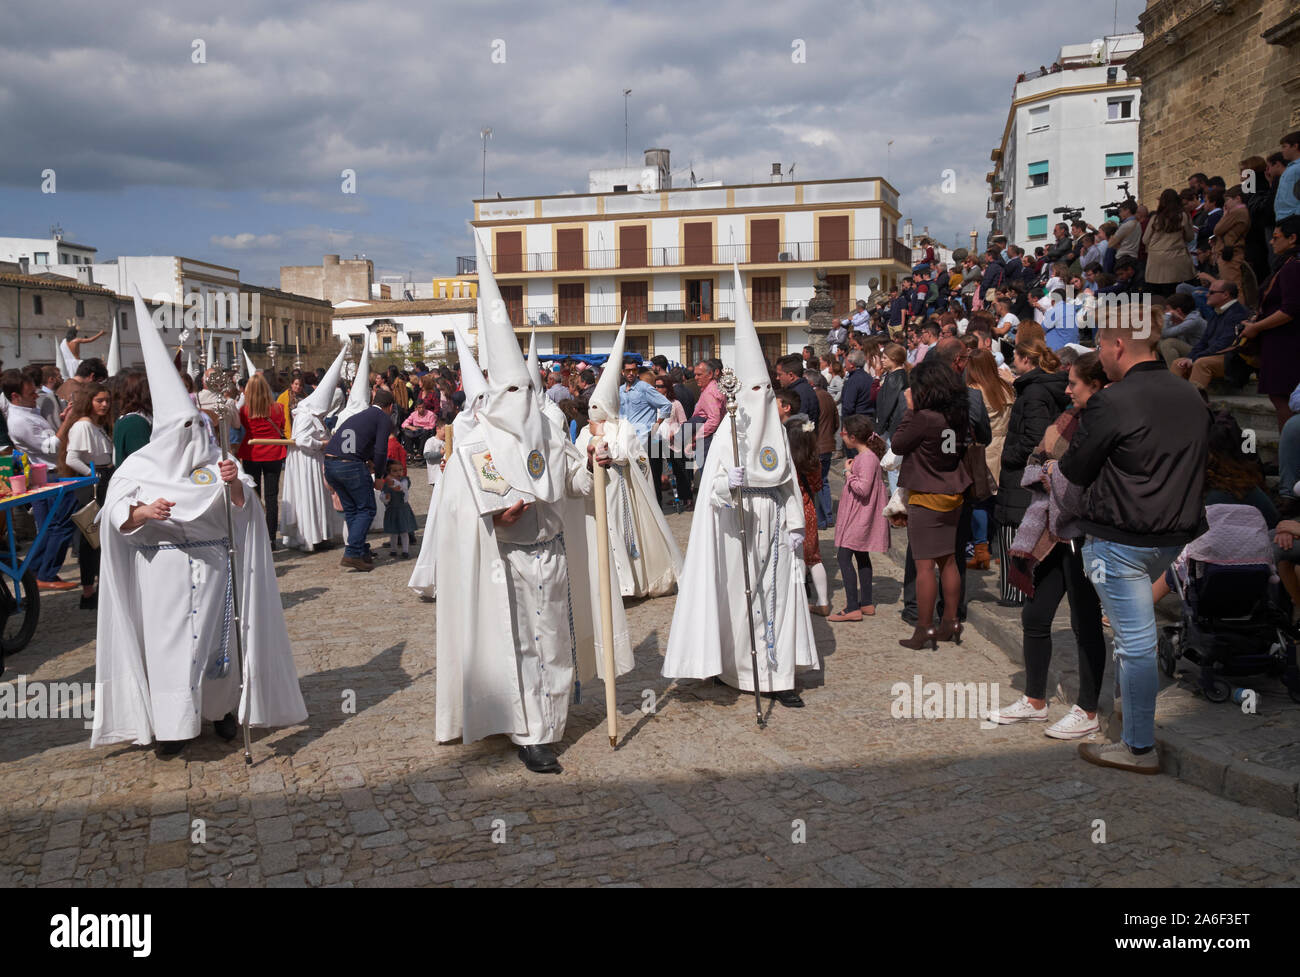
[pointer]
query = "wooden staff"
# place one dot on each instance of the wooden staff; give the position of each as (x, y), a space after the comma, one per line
(284, 441)
(606, 601)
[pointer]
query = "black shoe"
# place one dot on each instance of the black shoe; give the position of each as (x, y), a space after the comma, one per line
(170, 747)
(368, 556)
(227, 727)
(539, 758)
(90, 603)
(788, 698)
(1003, 602)
(275, 544)
(909, 618)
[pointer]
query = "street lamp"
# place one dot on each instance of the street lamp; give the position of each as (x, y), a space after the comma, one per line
(485, 134)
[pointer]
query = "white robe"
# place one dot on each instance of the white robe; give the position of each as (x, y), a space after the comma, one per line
(642, 549)
(162, 621)
(710, 634)
(423, 579)
(307, 514)
(485, 683)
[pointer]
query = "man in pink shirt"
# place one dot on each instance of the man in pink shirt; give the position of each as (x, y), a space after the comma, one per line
(708, 410)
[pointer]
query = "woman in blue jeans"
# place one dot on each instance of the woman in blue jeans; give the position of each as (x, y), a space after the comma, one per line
(982, 375)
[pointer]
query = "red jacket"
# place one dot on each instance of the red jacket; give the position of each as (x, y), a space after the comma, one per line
(262, 427)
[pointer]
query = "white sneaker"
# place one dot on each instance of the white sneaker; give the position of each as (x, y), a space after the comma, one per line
(1020, 711)
(1074, 725)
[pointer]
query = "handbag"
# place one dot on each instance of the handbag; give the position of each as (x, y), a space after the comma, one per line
(87, 520)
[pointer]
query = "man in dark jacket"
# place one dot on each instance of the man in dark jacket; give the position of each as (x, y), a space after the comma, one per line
(789, 373)
(994, 273)
(1060, 247)
(828, 423)
(953, 352)
(855, 396)
(1206, 361)
(1139, 456)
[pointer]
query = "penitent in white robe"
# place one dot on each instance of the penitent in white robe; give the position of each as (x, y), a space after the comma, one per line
(642, 549)
(164, 619)
(307, 514)
(710, 633)
(517, 607)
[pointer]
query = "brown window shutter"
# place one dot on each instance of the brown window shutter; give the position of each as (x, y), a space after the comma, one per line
(632, 247)
(699, 243)
(764, 240)
(510, 248)
(635, 295)
(766, 305)
(568, 245)
(833, 238)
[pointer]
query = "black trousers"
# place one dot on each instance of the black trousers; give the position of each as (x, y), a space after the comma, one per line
(1061, 574)
(653, 452)
(266, 476)
(909, 571)
(857, 584)
(1008, 592)
(87, 555)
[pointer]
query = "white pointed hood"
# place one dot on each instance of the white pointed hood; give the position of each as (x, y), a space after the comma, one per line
(359, 395)
(603, 405)
(59, 361)
(65, 360)
(189, 363)
(525, 447)
(179, 461)
(210, 352)
(114, 363)
(319, 401)
(471, 376)
(249, 366)
(764, 448)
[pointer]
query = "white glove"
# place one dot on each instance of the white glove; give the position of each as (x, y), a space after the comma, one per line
(736, 477)
(602, 455)
(796, 543)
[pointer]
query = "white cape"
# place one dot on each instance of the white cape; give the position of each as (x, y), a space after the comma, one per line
(710, 634)
(149, 685)
(307, 514)
(423, 580)
(478, 675)
(642, 549)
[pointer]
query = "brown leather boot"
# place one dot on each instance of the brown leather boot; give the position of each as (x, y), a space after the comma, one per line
(981, 559)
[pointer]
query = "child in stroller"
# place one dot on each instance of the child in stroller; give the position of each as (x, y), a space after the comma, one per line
(1236, 618)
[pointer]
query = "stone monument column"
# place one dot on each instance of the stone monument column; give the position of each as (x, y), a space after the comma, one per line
(820, 320)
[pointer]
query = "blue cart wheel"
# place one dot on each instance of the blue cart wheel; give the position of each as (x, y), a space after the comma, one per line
(19, 612)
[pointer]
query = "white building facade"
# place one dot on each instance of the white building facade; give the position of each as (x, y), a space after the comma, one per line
(572, 264)
(422, 329)
(43, 254)
(1071, 140)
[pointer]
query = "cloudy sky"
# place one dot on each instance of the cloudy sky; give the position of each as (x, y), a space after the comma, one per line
(239, 160)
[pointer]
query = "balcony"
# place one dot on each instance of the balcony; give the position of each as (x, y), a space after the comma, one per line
(623, 259)
(655, 314)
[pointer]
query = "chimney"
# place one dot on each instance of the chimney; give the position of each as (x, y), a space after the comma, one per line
(776, 173)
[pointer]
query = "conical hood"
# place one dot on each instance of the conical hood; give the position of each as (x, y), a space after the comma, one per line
(765, 449)
(59, 362)
(751, 365)
(249, 366)
(189, 363)
(319, 401)
(604, 399)
(66, 361)
(504, 362)
(359, 395)
(114, 352)
(471, 377)
(170, 401)
(210, 352)
(522, 443)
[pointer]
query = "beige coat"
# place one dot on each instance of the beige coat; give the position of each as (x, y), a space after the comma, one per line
(1168, 259)
(993, 453)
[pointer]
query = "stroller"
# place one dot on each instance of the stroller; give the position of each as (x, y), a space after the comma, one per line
(1236, 617)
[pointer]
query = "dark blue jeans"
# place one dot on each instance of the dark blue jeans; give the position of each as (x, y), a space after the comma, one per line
(48, 558)
(822, 500)
(352, 482)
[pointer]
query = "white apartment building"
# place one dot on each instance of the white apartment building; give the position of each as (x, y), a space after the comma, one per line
(1071, 140)
(572, 264)
(45, 253)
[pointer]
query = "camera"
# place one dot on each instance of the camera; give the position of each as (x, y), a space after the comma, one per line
(1069, 214)
(1112, 209)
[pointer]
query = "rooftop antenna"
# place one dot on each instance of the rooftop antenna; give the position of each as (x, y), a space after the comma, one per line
(56, 231)
(790, 174)
(1114, 27)
(485, 134)
(626, 94)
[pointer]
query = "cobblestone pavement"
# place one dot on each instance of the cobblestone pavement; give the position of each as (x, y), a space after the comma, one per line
(839, 793)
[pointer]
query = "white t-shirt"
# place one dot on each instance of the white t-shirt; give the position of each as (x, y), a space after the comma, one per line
(88, 443)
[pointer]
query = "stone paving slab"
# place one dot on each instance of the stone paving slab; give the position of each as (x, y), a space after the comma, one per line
(841, 793)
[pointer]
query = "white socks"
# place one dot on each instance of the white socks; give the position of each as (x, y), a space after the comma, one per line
(820, 586)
